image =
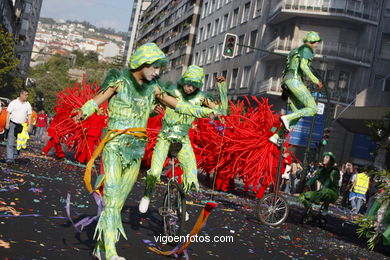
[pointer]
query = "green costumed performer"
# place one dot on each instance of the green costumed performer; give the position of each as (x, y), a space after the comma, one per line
(175, 128)
(328, 175)
(302, 102)
(131, 94)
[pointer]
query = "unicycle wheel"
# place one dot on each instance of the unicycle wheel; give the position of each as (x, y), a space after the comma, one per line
(174, 210)
(272, 209)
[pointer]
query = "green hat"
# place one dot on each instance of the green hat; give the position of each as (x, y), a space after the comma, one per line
(331, 155)
(194, 76)
(312, 37)
(149, 53)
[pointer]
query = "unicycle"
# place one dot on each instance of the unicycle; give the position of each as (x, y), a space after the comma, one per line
(173, 210)
(272, 209)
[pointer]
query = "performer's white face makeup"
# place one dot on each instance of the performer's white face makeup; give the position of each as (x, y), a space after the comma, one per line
(189, 89)
(150, 72)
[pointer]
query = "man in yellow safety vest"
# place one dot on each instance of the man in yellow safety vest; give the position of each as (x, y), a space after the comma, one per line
(360, 184)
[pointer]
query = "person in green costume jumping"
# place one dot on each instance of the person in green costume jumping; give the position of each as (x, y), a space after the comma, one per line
(328, 175)
(302, 102)
(132, 94)
(175, 128)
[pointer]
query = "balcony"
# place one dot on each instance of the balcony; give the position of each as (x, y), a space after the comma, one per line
(270, 86)
(337, 51)
(347, 10)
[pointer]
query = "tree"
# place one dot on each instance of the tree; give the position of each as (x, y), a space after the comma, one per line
(50, 78)
(380, 134)
(8, 61)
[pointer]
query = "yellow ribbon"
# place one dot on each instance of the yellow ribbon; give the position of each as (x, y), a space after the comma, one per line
(138, 132)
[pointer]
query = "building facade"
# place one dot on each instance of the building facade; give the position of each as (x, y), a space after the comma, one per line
(353, 56)
(137, 9)
(20, 17)
(172, 26)
(10, 12)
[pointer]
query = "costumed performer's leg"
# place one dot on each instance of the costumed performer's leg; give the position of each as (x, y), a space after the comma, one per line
(118, 183)
(327, 196)
(301, 96)
(309, 197)
(153, 174)
(187, 160)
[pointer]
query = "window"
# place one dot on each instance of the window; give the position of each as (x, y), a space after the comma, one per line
(204, 11)
(208, 30)
(386, 84)
(245, 12)
(25, 24)
(224, 22)
(196, 59)
(245, 77)
(224, 73)
(387, 8)
(219, 3)
(252, 40)
(202, 57)
(206, 81)
(215, 28)
(234, 18)
(218, 52)
(212, 5)
(27, 8)
(212, 81)
(385, 46)
(240, 41)
(210, 54)
(200, 35)
(233, 81)
(259, 7)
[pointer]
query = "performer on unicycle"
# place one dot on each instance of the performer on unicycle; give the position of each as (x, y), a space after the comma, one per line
(302, 102)
(175, 128)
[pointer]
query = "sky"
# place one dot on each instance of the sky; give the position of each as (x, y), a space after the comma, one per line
(101, 13)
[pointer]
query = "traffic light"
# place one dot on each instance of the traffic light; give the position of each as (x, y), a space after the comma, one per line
(325, 136)
(229, 45)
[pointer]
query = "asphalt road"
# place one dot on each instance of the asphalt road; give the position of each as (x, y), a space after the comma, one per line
(36, 188)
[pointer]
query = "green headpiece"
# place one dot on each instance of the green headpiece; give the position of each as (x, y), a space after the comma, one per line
(194, 76)
(149, 53)
(331, 155)
(312, 37)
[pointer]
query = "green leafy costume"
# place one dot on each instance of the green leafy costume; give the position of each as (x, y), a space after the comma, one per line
(302, 102)
(130, 107)
(329, 178)
(175, 127)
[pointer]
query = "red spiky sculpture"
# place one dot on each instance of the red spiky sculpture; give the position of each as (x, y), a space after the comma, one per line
(237, 148)
(84, 136)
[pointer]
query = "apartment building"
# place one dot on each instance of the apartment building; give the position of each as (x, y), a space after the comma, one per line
(20, 17)
(137, 9)
(172, 26)
(353, 56)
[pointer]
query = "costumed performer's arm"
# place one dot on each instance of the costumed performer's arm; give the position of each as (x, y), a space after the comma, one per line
(313, 179)
(183, 107)
(304, 65)
(222, 88)
(110, 87)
